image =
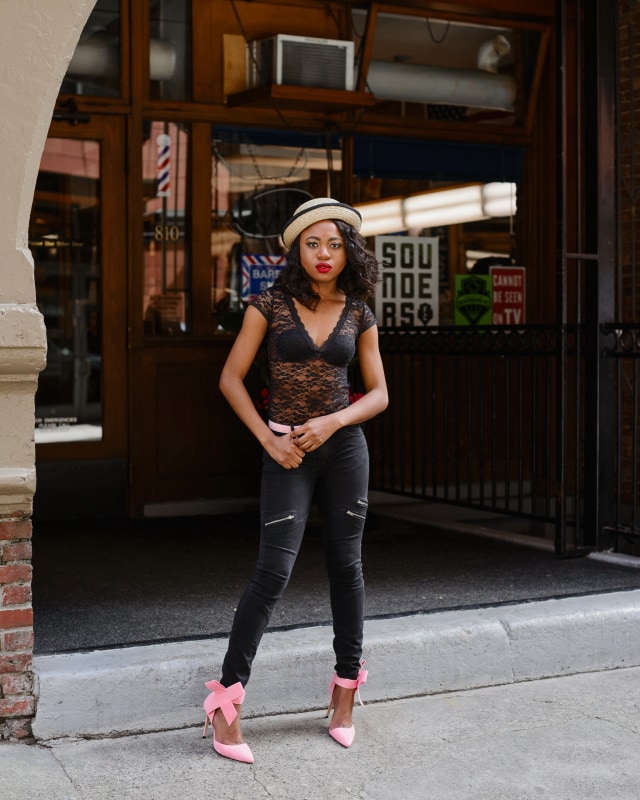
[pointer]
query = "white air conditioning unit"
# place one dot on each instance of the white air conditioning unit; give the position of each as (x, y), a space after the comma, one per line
(300, 61)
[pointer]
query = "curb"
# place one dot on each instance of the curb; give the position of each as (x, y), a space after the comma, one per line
(160, 687)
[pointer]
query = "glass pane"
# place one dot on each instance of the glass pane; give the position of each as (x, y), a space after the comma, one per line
(167, 279)
(65, 239)
(95, 66)
(256, 188)
(170, 50)
(448, 70)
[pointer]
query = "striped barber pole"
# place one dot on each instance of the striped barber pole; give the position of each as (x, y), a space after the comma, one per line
(164, 165)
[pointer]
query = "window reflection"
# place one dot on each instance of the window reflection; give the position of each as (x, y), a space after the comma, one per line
(167, 281)
(256, 188)
(95, 66)
(449, 70)
(65, 240)
(170, 50)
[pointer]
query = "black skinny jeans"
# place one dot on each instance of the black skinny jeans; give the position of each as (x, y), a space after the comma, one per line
(337, 475)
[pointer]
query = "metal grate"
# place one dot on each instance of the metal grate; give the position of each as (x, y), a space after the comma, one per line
(473, 420)
(313, 65)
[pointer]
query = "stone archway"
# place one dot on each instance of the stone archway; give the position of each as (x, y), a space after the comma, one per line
(37, 39)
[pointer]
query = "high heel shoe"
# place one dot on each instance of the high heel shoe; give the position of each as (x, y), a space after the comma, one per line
(224, 699)
(344, 736)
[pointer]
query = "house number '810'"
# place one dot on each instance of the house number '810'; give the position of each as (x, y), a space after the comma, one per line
(166, 233)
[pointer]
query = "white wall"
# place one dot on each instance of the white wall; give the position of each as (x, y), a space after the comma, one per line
(37, 39)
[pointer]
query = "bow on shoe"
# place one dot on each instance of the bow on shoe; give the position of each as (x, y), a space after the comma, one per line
(223, 698)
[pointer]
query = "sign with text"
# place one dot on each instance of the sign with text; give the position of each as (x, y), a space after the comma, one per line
(508, 295)
(259, 271)
(407, 297)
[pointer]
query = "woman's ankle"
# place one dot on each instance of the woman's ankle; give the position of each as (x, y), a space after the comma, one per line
(343, 700)
(227, 734)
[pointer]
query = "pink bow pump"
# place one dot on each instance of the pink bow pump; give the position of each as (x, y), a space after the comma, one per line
(345, 736)
(225, 699)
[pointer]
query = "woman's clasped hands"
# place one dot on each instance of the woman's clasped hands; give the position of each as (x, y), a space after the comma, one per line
(290, 449)
(285, 451)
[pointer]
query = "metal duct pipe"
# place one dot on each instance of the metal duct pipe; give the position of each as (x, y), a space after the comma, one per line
(96, 57)
(416, 83)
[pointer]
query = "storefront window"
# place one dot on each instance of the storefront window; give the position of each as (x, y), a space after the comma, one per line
(170, 50)
(65, 239)
(256, 188)
(95, 66)
(167, 279)
(447, 70)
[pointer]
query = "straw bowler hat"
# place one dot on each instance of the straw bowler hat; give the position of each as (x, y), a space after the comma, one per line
(316, 210)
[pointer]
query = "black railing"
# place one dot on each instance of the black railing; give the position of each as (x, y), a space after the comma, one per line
(473, 421)
(622, 351)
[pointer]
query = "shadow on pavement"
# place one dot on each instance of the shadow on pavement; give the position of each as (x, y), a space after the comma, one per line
(114, 583)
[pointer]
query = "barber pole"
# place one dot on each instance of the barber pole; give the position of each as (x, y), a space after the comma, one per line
(164, 163)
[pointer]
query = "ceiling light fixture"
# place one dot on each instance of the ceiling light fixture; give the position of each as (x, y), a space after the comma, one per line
(438, 207)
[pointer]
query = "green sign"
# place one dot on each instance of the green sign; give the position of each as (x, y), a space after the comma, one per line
(474, 300)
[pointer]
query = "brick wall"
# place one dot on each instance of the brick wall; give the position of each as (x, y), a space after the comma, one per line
(17, 703)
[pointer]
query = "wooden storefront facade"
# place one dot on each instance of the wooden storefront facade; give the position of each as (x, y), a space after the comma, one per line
(140, 282)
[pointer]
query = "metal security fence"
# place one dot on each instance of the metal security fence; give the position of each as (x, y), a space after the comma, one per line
(496, 419)
(473, 420)
(622, 353)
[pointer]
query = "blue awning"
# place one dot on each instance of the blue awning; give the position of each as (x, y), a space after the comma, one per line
(386, 157)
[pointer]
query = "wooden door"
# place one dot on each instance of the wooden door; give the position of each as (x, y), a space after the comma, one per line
(78, 239)
(188, 451)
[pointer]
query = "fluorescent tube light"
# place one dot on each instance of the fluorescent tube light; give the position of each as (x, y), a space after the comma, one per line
(438, 207)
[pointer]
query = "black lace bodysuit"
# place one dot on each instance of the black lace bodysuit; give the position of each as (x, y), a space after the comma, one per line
(306, 380)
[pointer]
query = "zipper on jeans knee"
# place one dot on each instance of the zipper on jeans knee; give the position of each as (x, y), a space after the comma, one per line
(282, 519)
(362, 503)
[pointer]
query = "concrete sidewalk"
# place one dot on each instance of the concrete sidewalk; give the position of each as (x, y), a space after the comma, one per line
(570, 738)
(159, 687)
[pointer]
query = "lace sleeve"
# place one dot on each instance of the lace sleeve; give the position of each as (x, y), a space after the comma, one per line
(264, 303)
(367, 318)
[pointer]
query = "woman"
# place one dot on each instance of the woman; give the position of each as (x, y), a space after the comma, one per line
(316, 320)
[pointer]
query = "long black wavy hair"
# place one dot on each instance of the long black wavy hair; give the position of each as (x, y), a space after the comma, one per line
(358, 279)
